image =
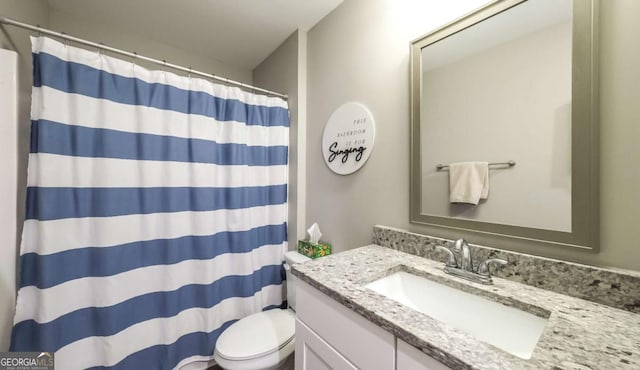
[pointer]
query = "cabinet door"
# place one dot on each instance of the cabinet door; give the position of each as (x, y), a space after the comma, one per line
(411, 358)
(313, 353)
(357, 339)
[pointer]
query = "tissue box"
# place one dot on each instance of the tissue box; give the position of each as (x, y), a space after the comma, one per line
(314, 250)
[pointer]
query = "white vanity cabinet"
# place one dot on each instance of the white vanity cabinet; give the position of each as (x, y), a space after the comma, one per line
(314, 353)
(330, 336)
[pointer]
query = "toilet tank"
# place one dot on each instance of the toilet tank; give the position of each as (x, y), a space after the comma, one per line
(291, 258)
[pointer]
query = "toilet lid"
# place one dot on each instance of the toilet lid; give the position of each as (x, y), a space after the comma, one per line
(257, 335)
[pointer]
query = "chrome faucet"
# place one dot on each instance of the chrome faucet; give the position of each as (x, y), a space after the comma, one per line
(460, 263)
(461, 249)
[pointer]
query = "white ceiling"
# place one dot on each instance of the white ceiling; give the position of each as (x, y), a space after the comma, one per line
(240, 33)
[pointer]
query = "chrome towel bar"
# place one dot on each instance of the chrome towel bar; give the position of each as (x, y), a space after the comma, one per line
(441, 167)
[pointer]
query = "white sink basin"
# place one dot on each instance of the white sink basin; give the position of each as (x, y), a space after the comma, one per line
(507, 328)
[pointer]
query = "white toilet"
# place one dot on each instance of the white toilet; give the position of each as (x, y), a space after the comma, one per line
(265, 339)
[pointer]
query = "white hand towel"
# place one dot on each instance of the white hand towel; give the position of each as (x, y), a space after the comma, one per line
(468, 182)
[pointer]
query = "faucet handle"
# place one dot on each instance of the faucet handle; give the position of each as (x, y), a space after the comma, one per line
(483, 268)
(451, 261)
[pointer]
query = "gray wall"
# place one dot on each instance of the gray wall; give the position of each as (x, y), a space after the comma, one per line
(279, 72)
(360, 52)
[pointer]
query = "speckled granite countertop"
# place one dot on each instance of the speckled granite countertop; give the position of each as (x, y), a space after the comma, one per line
(579, 334)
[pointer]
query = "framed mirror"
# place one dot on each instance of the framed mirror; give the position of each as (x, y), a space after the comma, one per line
(514, 82)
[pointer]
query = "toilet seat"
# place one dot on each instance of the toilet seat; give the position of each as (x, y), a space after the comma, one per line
(257, 335)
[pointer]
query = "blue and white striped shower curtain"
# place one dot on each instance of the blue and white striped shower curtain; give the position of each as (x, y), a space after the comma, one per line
(156, 212)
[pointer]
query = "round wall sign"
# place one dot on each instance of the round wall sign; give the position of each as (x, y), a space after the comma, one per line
(348, 138)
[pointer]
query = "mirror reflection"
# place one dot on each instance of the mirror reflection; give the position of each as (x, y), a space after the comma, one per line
(500, 91)
(514, 81)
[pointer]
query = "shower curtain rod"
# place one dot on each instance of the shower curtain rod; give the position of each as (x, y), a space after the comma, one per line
(13, 22)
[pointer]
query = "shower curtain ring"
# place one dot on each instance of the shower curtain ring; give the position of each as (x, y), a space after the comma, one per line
(100, 49)
(64, 38)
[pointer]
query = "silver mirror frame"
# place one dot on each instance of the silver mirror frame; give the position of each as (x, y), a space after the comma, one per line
(584, 136)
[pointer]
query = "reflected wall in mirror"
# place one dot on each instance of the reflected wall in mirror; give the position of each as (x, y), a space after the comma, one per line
(489, 90)
(515, 80)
